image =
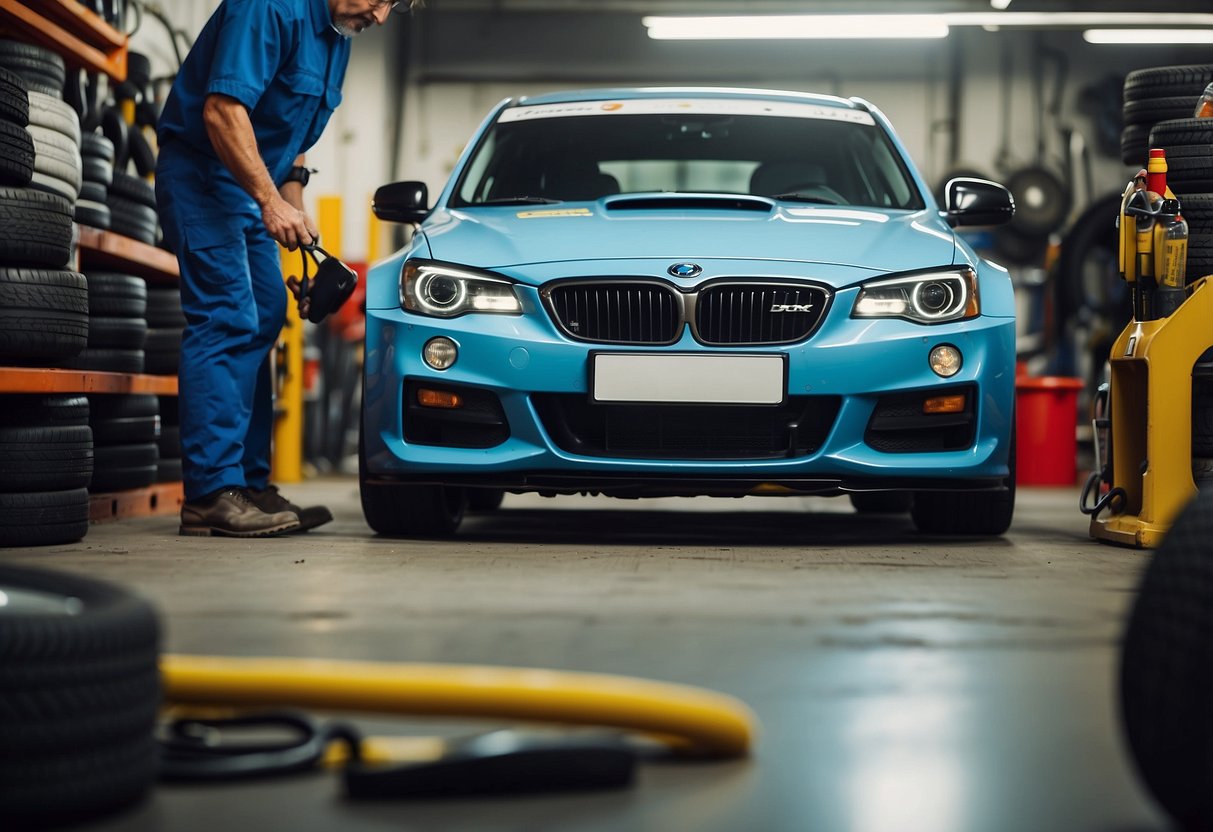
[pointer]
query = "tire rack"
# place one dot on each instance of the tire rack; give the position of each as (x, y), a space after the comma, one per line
(85, 40)
(106, 250)
(82, 37)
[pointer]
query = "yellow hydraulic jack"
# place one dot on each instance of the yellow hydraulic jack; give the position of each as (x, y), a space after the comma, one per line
(1145, 473)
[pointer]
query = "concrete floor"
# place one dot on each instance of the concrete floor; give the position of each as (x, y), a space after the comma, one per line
(904, 683)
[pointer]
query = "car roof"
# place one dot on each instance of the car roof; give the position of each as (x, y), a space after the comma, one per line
(628, 93)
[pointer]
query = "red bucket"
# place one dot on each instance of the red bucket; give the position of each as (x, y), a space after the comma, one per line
(1046, 415)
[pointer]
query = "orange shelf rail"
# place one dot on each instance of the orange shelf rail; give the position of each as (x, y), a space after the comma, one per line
(107, 250)
(159, 499)
(82, 37)
(54, 380)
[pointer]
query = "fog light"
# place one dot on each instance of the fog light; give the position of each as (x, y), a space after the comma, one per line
(440, 353)
(944, 404)
(945, 360)
(439, 398)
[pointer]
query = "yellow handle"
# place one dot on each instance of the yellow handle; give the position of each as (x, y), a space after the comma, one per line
(692, 720)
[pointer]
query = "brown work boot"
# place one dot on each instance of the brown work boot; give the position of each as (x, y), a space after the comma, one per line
(232, 514)
(270, 500)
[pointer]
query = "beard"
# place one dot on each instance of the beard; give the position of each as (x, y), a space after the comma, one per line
(348, 26)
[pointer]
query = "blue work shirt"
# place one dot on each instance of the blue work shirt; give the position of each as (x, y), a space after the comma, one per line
(281, 59)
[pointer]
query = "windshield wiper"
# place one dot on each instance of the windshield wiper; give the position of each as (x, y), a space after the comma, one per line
(521, 200)
(802, 197)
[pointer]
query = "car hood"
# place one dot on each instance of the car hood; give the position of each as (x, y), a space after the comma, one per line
(508, 237)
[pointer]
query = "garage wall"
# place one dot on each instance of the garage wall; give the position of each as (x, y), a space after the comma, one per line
(461, 63)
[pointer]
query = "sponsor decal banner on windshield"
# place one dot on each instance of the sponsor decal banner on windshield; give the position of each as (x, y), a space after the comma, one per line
(689, 106)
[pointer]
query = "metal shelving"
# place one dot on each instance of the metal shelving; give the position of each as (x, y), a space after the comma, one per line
(82, 37)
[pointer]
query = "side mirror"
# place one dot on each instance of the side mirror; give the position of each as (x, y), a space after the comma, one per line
(401, 202)
(977, 202)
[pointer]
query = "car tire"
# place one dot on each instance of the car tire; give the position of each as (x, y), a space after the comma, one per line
(56, 154)
(43, 518)
(123, 467)
(37, 228)
(402, 510)
(1153, 95)
(42, 70)
(16, 154)
(108, 360)
(412, 510)
(42, 458)
(79, 694)
(14, 99)
(881, 502)
(1166, 671)
(124, 419)
(54, 114)
(43, 313)
(979, 513)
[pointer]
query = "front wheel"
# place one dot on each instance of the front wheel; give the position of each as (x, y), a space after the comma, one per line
(986, 513)
(964, 512)
(402, 510)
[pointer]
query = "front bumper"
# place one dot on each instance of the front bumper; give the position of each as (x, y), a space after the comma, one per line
(524, 362)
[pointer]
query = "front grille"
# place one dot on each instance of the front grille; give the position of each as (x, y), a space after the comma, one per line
(623, 312)
(742, 313)
(642, 431)
(726, 313)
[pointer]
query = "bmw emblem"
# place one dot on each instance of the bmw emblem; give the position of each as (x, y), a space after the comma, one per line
(685, 270)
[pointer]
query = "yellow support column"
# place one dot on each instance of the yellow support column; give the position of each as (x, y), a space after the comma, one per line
(328, 222)
(287, 459)
(288, 427)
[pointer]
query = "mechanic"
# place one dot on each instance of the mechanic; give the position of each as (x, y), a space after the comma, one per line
(252, 96)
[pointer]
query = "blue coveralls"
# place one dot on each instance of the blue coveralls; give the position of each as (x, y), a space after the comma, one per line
(285, 63)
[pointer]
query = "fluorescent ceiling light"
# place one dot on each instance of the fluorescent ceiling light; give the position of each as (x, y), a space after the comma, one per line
(826, 26)
(1148, 37)
(1000, 4)
(846, 26)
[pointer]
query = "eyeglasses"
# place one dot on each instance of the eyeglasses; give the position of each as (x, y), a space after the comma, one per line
(392, 5)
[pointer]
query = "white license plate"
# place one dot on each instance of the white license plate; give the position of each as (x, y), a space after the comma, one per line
(683, 378)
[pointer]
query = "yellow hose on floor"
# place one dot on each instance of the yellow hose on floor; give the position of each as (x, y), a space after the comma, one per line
(692, 721)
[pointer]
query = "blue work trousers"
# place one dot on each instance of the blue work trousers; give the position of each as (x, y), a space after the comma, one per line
(234, 302)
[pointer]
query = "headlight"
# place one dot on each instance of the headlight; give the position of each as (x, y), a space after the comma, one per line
(926, 298)
(446, 291)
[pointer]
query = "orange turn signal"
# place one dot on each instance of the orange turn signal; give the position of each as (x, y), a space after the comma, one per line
(439, 398)
(944, 404)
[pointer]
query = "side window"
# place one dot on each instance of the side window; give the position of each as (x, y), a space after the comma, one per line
(879, 173)
(891, 173)
(475, 184)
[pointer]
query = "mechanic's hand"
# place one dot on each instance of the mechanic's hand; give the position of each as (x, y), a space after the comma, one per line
(287, 224)
(305, 303)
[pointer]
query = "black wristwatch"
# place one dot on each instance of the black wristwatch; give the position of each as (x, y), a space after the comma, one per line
(300, 175)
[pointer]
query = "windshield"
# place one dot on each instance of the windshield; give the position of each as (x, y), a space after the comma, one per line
(588, 150)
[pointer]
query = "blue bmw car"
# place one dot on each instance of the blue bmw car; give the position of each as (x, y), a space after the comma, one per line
(656, 292)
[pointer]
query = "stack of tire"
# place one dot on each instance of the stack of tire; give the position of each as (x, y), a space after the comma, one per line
(1158, 106)
(117, 305)
(43, 306)
(165, 324)
(46, 462)
(46, 445)
(126, 429)
(97, 153)
(131, 198)
(168, 465)
(132, 204)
